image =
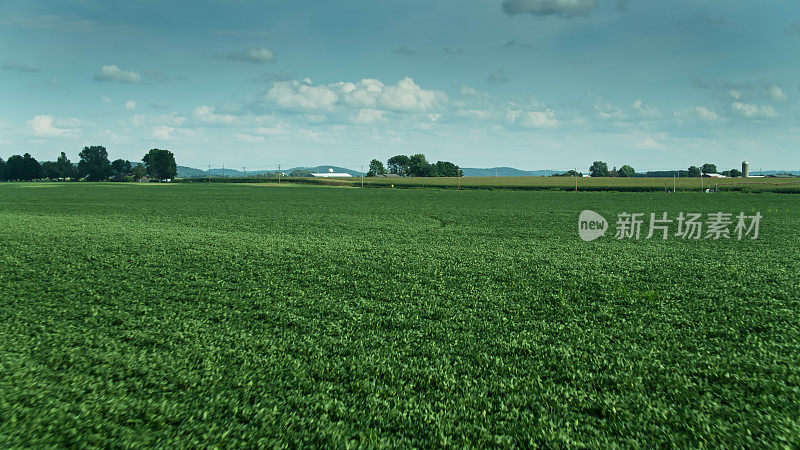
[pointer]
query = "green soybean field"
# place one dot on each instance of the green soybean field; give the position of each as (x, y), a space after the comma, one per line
(234, 315)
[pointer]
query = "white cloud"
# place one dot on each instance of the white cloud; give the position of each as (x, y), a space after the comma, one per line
(561, 8)
(105, 99)
(696, 112)
(776, 93)
(532, 119)
(753, 111)
(167, 133)
(301, 95)
(405, 96)
(162, 132)
(19, 67)
(130, 105)
(650, 143)
(48, 126)
(646, 111)
(252, 55)
(606, 109)
(114, 73)
(206, 114)
(735, 93)
(368, 116)
(249, 138)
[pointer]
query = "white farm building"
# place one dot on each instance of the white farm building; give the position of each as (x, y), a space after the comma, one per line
(330, 174)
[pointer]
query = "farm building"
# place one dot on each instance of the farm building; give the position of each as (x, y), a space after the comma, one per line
(331, 174)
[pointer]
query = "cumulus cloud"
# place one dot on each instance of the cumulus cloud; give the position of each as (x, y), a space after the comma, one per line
(753, 111)
(167, 133)
(405, 96)
(776, 93)
(19, 67)
(649, 143)
(696, 112)
(114, 73)
(130, 105)
(206, 114)
(560, 8)
(368, 116)
(162, 132)
(105, 99)
(646, 111)
(604, 108)
(533, 116)
(48, 126)
(498, 76)
(252, 55)
(302, 95)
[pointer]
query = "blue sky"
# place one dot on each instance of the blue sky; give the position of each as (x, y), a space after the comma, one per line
(524, 83)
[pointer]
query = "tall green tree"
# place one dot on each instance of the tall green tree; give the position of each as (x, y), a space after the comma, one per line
(694, 171)
(709, 168)
(418, 166)
(398, 164)
(23, 168)
(160, 164)
(447, 169)
(50, 170)
(120, 168)
(376, 168)
(65, 167)
(626, 171)
(3, 170)
(94, 163)
(599, 169)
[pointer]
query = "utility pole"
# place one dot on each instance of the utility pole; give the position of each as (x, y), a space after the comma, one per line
(223, 171)
(209, 173)
(245, 171)
(362, 176)
(459, 180)
(576, 179)
(673, 184)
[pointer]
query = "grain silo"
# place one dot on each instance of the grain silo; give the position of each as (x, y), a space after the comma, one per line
(745, 169)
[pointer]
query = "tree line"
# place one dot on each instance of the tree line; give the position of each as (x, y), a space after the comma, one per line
(600, 169)
(413, 166)
(93, 165)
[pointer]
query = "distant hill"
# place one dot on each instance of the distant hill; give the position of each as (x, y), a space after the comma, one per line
(190, 172)
(506, 172)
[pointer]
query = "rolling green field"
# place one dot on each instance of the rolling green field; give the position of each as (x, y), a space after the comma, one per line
(241, 315)
(786, 185)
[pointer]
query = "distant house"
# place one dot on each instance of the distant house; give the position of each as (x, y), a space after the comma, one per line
(714, 175)
(144, 179)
